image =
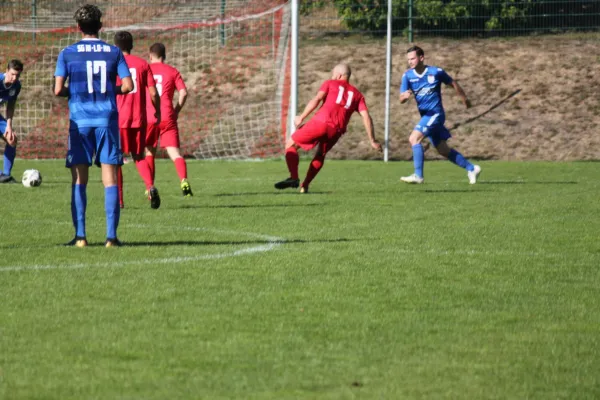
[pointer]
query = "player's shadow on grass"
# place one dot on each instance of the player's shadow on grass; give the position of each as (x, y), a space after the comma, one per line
(507, 182)
(289, 192)
(160, 243)
(429, 191)
(234, 206)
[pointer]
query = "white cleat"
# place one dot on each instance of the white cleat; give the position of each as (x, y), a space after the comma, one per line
(412, 179)
(473, 175)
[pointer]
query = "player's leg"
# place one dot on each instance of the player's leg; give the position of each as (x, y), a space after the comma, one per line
(169, 140)
(292, 161)
(81, 146)
(306, 137)
(415, 139)
(110, 157)
(10, 152)
(319, 159)
(137, 146)
(181, 168)
(152, 133)
(439, 140)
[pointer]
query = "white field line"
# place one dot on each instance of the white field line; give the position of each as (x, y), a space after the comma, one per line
(272, 243)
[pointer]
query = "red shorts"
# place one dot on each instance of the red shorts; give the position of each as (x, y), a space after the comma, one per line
(152, 133)
(133, 140)
(167, 131)
(315, 133)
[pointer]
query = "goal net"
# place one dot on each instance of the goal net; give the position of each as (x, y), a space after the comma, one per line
(232, 54)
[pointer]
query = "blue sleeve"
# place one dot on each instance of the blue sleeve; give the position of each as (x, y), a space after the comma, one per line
(61, 65)
(405, 85)
(444, 77)
(122, 68)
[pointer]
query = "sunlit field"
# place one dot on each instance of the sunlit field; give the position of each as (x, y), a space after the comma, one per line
(363, 288)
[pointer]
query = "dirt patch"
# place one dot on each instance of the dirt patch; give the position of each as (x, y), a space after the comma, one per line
(545, 90)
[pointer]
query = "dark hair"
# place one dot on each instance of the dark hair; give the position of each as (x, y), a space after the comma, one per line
(88, 19)
(124, 41)
(419, 51)
(15, 64)
(159, 50)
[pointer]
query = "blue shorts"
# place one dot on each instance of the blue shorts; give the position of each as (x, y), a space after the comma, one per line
(84, 142)
(432, 127)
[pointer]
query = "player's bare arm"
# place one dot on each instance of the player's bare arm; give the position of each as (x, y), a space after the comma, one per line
(181, 100)
(155, 98)
(9, 134)
(368, 123)
(404, 96)
(310, 107)
(60, 90)
(126, 86)
(461, 93)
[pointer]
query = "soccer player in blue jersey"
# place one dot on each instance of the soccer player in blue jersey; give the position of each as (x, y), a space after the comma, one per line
(10, 86)
(425, 82)
(91, 66)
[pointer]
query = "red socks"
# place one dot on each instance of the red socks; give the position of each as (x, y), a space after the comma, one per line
(145, 172)
(315, 166)
(181, 168)
(151, 166)
(292, 159)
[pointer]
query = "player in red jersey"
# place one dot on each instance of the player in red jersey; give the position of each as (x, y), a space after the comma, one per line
(132, 115)
(340, 100)
(168, 79)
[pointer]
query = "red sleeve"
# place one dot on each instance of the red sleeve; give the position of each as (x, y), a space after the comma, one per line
(362, 104)
(324, 87)
(149, 77)
(179, 84)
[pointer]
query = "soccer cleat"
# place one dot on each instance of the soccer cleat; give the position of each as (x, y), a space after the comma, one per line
(412, 179)
(303, 189)
(288, 183)
(122, 205)
(78, 241)
(186, 189)
(7, 179)
(154, 198)
(473, 175)
(113, 243)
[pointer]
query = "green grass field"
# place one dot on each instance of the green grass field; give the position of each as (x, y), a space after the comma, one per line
(365, 288)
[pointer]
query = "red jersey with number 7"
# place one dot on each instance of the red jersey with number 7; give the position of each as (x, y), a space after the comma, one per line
(341, 101)
(167, 80)
(132, 106)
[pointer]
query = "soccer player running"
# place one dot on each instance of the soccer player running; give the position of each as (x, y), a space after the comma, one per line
(168, 79)
(132, 116)
(10, 86)
(425, 82)
(91, 66)
(340, 100)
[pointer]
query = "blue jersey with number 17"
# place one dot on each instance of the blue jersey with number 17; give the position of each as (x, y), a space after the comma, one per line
(427, 88)
(91, 67)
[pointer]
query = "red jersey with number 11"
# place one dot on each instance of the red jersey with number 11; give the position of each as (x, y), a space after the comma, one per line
(167, 80)
(132, 106)
(341, 101)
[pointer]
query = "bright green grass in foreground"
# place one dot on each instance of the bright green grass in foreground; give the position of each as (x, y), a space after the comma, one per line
(365, 288)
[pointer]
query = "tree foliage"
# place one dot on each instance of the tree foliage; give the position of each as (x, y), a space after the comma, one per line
(464, 16)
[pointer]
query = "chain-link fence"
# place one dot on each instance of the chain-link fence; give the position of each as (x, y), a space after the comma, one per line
(416, 19)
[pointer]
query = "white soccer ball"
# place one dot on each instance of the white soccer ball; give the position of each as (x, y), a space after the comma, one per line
(31, 178)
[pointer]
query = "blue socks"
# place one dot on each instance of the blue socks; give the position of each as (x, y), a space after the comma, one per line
(113, 210)
(458, 159)
(78, 206)
(9, 159)
(418, 153)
